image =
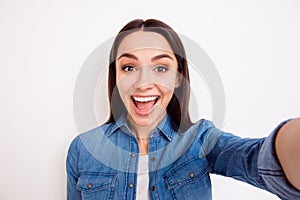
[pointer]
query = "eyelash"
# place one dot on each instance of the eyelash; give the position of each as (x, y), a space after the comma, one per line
(127, 67)
(161, 68)
(158, 68)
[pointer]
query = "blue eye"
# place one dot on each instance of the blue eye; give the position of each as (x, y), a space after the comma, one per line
(161, 68)
(129, 68)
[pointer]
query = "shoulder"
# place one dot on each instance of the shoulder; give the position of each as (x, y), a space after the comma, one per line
(203, 126)
(90, 136)
(205, 123)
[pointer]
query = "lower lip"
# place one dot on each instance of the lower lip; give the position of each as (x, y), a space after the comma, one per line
(142, 113)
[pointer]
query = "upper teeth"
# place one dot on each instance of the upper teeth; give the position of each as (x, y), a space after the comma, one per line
(144, 99)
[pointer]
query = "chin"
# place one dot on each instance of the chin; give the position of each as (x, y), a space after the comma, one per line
(143, 121)
(153, 119)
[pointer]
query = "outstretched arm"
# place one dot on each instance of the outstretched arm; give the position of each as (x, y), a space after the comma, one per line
(287, 145)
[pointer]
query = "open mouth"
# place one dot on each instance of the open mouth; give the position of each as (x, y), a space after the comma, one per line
(144, 104)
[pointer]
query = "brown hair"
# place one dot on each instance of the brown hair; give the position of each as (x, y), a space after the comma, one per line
(178, 107)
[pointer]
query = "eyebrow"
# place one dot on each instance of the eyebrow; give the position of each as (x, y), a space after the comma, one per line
(161, 56)
(129, 55)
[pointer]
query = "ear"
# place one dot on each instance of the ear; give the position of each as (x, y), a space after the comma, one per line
(178, 80)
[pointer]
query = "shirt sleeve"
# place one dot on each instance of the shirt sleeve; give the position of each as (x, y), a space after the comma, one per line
(271, 171)
(253, 161)
(72, 171)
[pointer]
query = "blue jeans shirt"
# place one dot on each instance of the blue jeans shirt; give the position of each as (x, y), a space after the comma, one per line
(102, 163)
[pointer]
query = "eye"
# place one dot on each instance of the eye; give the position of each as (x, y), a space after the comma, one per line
(129, 68)
(161, 68)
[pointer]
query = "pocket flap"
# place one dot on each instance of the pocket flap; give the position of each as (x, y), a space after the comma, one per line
(186, 172)
(95, 181)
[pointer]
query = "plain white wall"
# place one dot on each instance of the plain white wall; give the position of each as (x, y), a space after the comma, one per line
(43, 44)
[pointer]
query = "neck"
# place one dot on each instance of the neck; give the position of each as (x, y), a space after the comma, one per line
(142, 133)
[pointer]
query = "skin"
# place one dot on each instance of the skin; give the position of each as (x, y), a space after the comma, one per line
(141, 56)
(287, 145)
(145, 67)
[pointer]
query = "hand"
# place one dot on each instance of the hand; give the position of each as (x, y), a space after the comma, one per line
(287, 145)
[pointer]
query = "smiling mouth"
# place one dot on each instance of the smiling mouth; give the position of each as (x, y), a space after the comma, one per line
(144, 104)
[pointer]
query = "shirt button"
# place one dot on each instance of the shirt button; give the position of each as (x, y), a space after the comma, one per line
(133, 155)
(192, 175)
(153, 188)
(153, 158)
(89, 185)
(130, 185)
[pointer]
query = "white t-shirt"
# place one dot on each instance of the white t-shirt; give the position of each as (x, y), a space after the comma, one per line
(142, 190)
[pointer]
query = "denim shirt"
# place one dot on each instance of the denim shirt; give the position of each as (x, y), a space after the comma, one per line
(102, 163)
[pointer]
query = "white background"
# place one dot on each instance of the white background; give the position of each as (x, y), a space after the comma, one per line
(255, 46)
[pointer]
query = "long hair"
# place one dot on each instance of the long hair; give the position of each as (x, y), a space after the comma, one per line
(178, 107)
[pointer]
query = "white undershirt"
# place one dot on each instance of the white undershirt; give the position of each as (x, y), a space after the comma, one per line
(142, 192)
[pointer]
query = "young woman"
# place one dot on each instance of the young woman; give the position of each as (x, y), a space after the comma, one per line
(150, 149)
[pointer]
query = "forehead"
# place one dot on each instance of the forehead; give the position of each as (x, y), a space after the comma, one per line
(143, 40)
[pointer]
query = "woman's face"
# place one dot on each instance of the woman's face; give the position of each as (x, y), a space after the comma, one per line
(146, 74)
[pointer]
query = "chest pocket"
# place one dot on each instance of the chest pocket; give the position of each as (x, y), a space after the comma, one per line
(96, 185)
(189, 180)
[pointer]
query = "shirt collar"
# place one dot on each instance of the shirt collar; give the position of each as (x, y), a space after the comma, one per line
(165, 127)
(122, 124)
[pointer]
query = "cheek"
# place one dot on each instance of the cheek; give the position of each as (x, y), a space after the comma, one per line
(167, 86)
(125, 85)
(167, 94)
(167, 80)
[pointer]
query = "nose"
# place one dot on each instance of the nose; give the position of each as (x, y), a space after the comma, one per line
(144, 81)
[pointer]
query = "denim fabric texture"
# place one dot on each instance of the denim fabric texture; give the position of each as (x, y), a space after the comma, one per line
(102, 163)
